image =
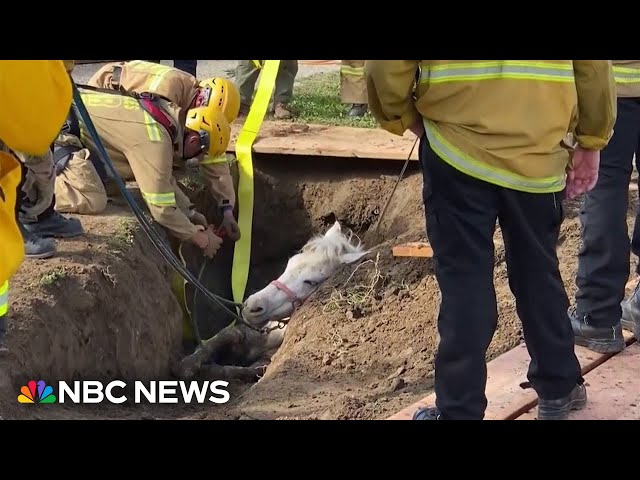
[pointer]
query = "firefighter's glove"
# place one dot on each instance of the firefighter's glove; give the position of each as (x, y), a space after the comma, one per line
(197, 218)
(230, 225)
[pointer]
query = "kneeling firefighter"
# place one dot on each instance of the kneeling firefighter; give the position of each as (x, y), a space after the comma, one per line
(184, 92)
(141, 135)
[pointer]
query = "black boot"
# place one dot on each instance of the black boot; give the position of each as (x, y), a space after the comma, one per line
(3, 335)
(55, 225)
(597, 339)
(631, 313)
(431, 413)
(559, 409)
(357, 110)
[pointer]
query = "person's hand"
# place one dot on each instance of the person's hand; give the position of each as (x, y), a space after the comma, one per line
(230, 225)
(417, 128)
(583, 174)
(197, 218)
(208, 241)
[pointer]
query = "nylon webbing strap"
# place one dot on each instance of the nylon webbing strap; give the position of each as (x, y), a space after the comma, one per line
(244, 144)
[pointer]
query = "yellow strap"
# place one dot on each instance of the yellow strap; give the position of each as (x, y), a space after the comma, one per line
(258, 64)
(250, 129)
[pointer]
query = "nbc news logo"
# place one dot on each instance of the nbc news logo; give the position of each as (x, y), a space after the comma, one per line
(90, 391)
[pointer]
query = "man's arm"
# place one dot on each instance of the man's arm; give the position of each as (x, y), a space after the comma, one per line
(152, 163)
(216, 171)
(389, 87)
(597, 105)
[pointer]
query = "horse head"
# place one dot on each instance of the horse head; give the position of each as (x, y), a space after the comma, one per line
(318, 259)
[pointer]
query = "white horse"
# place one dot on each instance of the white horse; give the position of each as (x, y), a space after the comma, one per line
(318, 259)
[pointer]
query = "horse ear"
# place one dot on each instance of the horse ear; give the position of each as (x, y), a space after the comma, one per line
(352, 257)
(335, 229)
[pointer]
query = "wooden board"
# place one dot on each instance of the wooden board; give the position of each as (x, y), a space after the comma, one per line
(506, 375)
(613, 390)
(287, 138)
(413, 249)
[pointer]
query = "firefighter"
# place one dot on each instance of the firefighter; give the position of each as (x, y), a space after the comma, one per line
(182, 88)
(38, 218)
(247, 74)
(353, 87)
(604, 258)
(35, 96)
(491, 134)
(141, 136)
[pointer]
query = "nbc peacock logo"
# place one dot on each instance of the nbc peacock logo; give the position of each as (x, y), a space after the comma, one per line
(36, 392)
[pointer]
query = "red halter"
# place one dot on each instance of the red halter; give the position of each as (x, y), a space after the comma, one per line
(295, 300)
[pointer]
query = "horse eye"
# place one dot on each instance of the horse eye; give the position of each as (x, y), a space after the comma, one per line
(311, 283)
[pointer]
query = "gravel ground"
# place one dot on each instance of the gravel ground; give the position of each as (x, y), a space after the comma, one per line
(206, 68)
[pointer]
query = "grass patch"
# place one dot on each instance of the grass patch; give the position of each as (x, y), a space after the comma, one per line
(316, 99)
(123, 237)
(52, 277)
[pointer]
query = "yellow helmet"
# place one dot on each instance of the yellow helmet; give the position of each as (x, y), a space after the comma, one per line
(222, 95)
(213, 127)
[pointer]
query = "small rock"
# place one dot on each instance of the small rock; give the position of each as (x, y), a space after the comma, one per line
(350, 314)
(397, 384)
(397, 373)
(146, 416)
(326, 359)
(245, 417)
(374, 385)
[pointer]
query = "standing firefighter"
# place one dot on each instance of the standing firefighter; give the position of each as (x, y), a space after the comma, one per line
(247, 73)
(603, 260)
(492, 149)
(353, 87)
(35, 96)
(37, 215)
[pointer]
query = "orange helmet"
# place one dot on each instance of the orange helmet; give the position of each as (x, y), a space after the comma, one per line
(213, 127)
(220, 94)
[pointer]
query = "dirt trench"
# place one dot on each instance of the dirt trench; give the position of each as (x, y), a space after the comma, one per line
(361, 348)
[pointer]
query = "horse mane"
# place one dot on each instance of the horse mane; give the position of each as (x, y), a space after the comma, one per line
(332, 246)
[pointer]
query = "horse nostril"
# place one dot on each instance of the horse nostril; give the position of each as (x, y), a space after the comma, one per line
(256, 310)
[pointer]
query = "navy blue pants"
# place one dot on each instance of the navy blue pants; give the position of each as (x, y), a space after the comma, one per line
(461, 214)
(603, 260)
(189, 66)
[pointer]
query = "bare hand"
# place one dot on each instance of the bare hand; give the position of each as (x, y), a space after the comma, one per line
(214, 243)
(582, 177)
(231, 226)
(417, 128)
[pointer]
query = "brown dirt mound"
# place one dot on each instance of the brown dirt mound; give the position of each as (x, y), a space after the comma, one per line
(100, 310)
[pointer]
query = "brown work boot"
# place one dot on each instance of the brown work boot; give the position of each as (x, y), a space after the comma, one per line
(281, 112)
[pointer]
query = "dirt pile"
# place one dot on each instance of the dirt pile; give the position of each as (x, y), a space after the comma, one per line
(100, 310)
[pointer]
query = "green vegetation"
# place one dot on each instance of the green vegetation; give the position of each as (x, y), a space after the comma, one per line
(316, 99)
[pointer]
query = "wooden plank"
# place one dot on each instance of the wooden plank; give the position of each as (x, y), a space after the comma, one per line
(613, 390)
(413, 249)
(287, 138)
(506, 376)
